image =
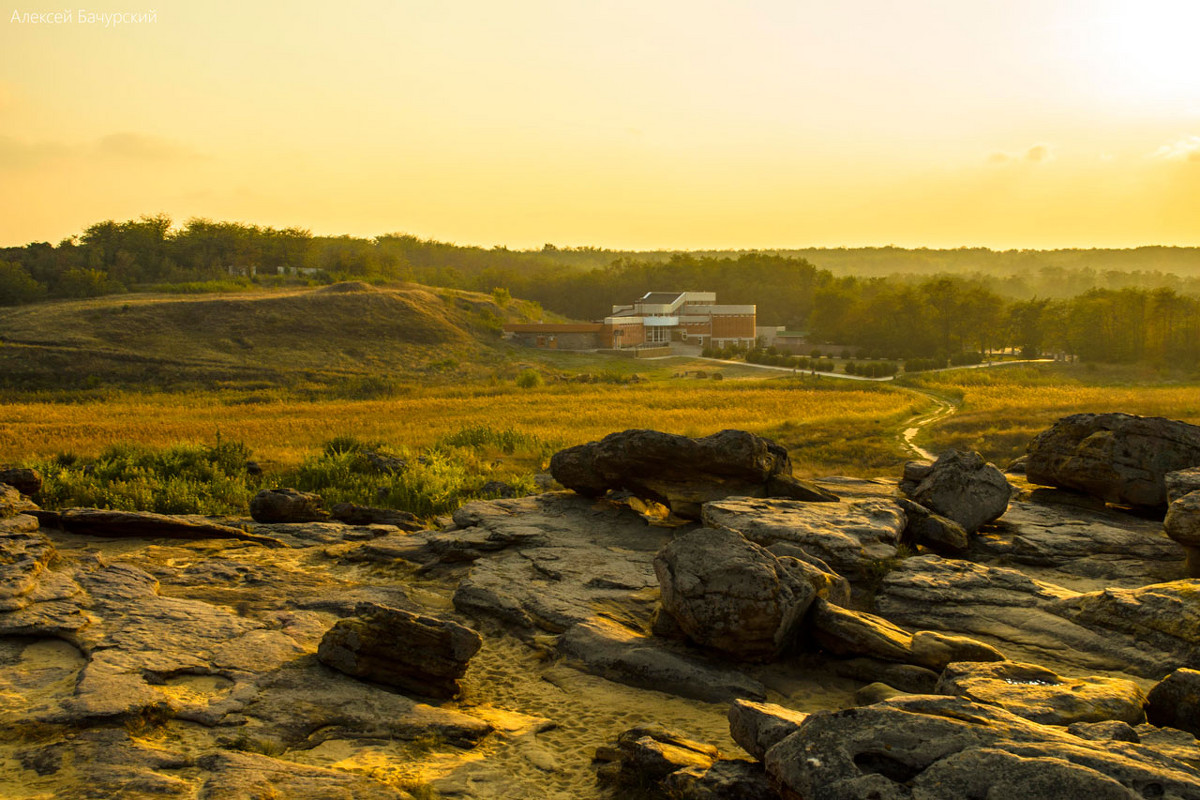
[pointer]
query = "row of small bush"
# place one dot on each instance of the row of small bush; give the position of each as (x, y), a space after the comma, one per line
(220, 480)
(872, 369)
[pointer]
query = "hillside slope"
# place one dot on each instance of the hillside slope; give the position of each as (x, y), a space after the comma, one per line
(310, 335)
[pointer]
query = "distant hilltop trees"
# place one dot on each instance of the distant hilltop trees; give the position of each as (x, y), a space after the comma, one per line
(1137, 305)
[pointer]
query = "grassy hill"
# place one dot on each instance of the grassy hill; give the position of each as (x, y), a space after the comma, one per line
(310, 337)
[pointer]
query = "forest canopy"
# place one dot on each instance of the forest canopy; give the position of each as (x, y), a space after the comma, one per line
(1136, 305)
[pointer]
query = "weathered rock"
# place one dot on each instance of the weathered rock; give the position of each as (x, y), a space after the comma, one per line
(934, 650)
(416, 652)
(828, 584)
(876, 692)
(789, 487)
(286, 505)
(906, 677)
(1183, 526)
(843, 632)
(12, 502)
(963, 487)
(231, 776)
(949, 747)
(366, 515)
(23, 559)
(1016, 466)
(1175, 701)
(937, 533)
(605, 648)
(849, 536)
(757, 727)
(1119, 458)
(732, 595)
(1107, 731)
(677, 471)
(26, 481)
(649, 753)
(727, 779)
(143, 524)
(1181, 482)
(1147, 631)
(1041, 695)
(1119, 548)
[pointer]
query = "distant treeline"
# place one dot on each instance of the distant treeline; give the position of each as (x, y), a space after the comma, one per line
(1108, 305)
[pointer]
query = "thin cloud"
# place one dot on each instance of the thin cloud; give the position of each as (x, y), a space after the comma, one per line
(1186, 149)
(15, 153)
(1037, 154)
(142, 147)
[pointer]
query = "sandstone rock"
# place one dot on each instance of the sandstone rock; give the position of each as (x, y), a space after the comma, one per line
(1175, 701)
(731, 595)
(934, 650)
(1181, 482)
(757, 727)
(416, 652)
(876, 692)
(1119, 548)
(1041, 695)
(905, 677)
(1183, 526)
(1147, 631)
(605, 648)
(949, 747)
(964, 488)
(12, 502)
(646, 754)
(727, 779)
(828, 584)
(286, 505)
(789, 487)
(676, 471)
(848, 536)
(1119, 458)
(232, 776)
(937, 533)
(843, 632)
(1107, 731)
(26, 481)
(122, 524)
(365, 515)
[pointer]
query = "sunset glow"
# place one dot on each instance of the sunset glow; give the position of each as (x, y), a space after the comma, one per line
(702, 124)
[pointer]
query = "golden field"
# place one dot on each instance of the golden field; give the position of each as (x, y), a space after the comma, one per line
(829, 426)
(1001, 409)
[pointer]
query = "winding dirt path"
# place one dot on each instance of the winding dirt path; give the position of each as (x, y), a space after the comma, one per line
(943, 408)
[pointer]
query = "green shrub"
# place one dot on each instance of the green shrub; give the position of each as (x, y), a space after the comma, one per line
(529, 379)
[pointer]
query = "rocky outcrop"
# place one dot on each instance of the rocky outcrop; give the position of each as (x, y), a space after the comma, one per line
(26, 481)
(934, 651)
(757, 727)
(961, 486)
(12, 502)
(1146, 631)
(850, 536)
(419, 653)
(1122, 549)
(286, 505)
(933, 531)
(1182, 525)
(1119, 458)
(1041, 695)
(951, 748)
(366, 515)
(679, 472)
(732, 595)
(1175, 701)
(143, 524)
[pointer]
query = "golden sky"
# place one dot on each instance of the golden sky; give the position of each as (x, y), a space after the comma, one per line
(656, 123)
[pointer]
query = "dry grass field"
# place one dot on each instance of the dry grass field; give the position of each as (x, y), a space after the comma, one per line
(1002, 409)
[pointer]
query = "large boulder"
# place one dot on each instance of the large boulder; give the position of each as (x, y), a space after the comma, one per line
(678, 471)
(24, 480)
(145, 524)
(648, 753)
(1042, 695)
(286, 505)
(950, 748)
(1119, 458)
(844, 632)
(416, 652)
(1175, 701)
(1181, 482)
(731, 595)
(758, 727)
(1182, 524)
(961, 486)
(850, 537)
(1147, 631)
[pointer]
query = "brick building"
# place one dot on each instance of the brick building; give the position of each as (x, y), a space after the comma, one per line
(654, 320)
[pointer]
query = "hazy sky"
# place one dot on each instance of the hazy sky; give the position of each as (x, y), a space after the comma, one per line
(656, 123)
